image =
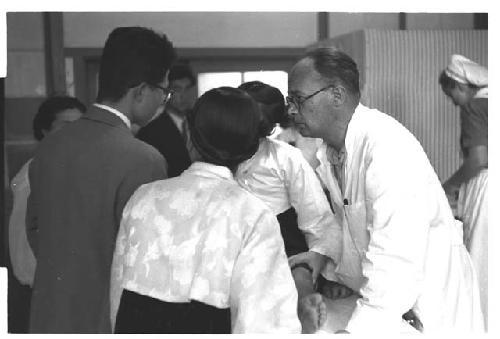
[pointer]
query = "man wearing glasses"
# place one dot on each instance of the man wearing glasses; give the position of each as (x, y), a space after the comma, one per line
(168, 133)
(82, 177)
(402, 249)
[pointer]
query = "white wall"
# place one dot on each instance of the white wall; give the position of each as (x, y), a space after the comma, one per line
(342, 23)
(25, 56)
(430, 21)
(198, 29)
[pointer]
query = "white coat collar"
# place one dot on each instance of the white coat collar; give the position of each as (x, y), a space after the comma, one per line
(210, 170)
(116, 112)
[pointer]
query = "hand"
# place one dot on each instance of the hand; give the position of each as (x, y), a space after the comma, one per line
(452, 195)
(314, 260)
(451, 190)
(335, 290)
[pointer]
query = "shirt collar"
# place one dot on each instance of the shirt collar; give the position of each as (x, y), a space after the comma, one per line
(334, 157)
(178, 121)
(210, 170)
(116, 112)
(326, 153)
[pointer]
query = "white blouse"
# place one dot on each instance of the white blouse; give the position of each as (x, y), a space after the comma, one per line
(200, 236)
(21, 255)
(279, 175)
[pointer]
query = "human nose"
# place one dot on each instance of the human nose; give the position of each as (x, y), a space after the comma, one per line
(292, 110)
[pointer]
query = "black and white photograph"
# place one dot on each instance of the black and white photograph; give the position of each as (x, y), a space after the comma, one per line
(215, 170)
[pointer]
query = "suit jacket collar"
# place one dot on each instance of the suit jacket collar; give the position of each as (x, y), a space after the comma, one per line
(102, 116)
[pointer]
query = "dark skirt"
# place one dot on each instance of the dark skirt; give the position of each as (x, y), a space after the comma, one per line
(141, 314)
(294, 239)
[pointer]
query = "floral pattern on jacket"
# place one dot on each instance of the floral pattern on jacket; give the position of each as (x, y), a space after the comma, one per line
(201, 237)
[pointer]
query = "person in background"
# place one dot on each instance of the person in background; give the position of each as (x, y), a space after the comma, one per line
(197, 253)
(401, 247)
(466, 84)
(168, 133)
(279, 175)
(82, 176)
(53, 114)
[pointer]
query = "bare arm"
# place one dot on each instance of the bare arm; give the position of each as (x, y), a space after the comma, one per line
(476, 160)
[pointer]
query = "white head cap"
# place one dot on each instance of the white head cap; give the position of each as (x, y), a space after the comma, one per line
(467, 71)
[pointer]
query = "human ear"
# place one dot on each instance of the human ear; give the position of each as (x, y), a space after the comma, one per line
(463, 88)
(139, 91)
(339, 95)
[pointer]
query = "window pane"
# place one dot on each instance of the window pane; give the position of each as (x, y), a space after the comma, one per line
(207, 81)
(278, 79)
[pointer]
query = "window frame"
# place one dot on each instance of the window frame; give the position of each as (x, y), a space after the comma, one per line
(202, 60)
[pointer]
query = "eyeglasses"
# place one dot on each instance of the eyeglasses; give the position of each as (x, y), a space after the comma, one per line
(297, 101)
(167, 92)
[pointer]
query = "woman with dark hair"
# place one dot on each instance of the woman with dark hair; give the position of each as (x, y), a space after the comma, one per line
(197, 253)
(279, 175)
(466, 84)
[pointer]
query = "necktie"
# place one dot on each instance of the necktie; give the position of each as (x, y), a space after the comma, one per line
(187, 141)
(184, 132)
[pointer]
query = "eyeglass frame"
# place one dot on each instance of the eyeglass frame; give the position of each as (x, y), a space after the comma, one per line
(290, 99)
(167, 92)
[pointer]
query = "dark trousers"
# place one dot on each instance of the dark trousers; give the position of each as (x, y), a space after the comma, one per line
(142, 314)
(18, 305)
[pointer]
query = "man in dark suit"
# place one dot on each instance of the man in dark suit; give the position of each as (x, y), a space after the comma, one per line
(168, 133)
(82, 177)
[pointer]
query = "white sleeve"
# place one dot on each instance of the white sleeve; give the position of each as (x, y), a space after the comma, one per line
(315, 218)
(263, 297)
(21, 256)
(396, 184)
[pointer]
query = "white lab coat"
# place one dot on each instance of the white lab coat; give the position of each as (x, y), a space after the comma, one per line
(279, 175)
(402, 248)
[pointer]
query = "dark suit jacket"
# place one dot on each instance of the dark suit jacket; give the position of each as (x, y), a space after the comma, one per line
(163, 134)
(81, 178)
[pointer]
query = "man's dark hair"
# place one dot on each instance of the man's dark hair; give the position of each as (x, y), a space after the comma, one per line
(48, 110)
(181, 70)
(131, 56)
(274, 111)
(336, 66)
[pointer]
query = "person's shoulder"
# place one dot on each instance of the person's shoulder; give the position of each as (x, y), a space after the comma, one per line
(150, 188)
(158, 125)
(379, 124)
(143, 150)
(276, 143)
(21, 177)
(283, 149)
(380, 131)
(60, 140)
(479, 106)
(256, 214)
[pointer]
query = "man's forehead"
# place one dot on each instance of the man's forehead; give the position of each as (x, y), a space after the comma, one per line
(181, 82)
(302, 77)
